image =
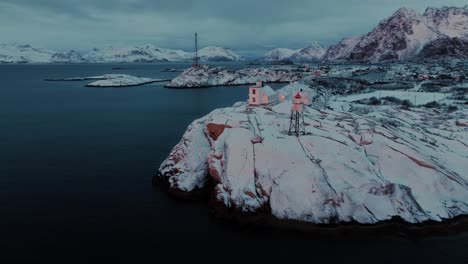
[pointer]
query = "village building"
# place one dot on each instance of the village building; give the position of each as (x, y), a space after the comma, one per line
(263, 95)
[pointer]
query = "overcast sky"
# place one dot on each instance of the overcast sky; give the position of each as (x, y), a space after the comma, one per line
(247, 26)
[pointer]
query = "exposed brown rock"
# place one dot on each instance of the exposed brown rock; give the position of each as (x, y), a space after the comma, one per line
(459, 123)
(215, 130)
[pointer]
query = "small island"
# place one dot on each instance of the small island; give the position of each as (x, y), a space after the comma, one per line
(349, 163)
(113, 80)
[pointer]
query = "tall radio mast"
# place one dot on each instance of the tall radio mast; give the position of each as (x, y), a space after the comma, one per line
(195, 59)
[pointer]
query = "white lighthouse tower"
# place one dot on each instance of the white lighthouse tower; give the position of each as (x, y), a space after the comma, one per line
(297, 124)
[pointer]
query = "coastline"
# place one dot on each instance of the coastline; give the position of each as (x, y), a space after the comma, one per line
(395, 227)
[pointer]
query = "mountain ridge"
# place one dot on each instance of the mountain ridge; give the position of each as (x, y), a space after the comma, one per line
(25, 53)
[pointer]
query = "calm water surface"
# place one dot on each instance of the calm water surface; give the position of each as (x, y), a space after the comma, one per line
(75, 180)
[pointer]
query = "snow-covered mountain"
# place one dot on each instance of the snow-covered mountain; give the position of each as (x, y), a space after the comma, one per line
(400, 36)
(313, 51)
(71, 56)
(403, 35)
(445, 48)
(18, 53)
(151, 53)
(279, 54)
(212, 53)
(342, 49)
(451, 21)
(145, 53)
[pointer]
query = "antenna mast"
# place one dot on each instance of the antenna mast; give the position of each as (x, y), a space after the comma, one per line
(195, 59)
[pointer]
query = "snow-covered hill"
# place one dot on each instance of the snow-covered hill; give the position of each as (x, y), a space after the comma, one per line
(279, 54)
(403, 35)
(349, 167)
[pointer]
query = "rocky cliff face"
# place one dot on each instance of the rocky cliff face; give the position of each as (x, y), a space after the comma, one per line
(362, 168)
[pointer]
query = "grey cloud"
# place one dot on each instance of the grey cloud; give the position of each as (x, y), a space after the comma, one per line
(247, 25)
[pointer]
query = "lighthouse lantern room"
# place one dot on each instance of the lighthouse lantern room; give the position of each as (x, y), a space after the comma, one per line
(297, 124)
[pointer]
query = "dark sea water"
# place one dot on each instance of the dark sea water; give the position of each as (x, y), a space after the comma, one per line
(75, 181)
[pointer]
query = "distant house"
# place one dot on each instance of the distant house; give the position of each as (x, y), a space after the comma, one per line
(423, 77)
(262, 95)
(318, 73)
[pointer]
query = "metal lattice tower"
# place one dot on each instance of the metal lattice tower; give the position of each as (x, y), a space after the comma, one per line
(195, 59)
(297, 123)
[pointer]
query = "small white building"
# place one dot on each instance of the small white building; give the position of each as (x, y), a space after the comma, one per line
(262, 95)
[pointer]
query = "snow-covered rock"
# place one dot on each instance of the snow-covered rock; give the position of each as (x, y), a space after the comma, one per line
(212, 53)
(205, 76)
(416, 98)
(313, 51)
(363, 168)
(279, 54)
